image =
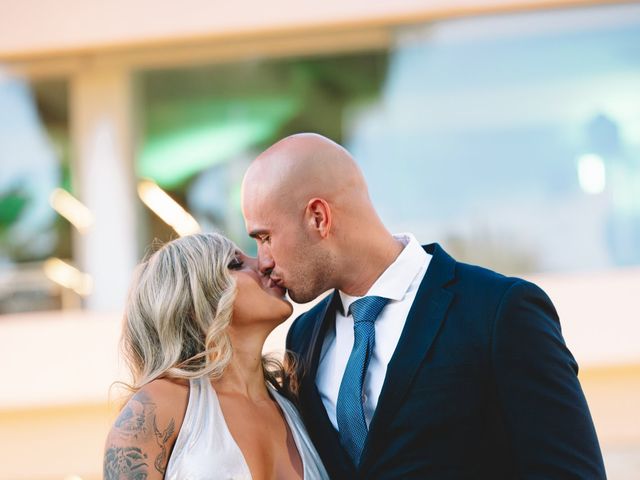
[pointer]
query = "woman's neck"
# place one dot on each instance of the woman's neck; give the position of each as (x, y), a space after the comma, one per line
(244, 375)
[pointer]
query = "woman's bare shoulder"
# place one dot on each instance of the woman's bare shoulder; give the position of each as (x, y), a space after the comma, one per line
(145, 431)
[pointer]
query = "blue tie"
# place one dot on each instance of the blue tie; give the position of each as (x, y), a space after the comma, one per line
(349, 410)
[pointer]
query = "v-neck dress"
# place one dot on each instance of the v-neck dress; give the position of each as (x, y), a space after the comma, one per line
(205, 449)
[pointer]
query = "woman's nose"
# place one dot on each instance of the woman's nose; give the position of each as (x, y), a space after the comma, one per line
(265, 262)
(252, 263)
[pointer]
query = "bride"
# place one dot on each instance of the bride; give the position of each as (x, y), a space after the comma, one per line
(205, 404)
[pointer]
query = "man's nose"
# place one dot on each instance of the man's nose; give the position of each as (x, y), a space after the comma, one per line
(265, 261)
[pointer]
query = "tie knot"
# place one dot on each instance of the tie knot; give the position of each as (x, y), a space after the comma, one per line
(367, 309)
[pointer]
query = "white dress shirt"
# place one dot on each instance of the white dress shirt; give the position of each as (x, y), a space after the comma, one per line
(399, 283)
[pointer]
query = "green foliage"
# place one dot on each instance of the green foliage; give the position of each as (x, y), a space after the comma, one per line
(12, 204)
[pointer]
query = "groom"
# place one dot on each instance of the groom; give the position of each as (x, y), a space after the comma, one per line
(416, 366)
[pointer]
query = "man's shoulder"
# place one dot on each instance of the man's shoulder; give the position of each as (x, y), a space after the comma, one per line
(481, 274)
(483, 280)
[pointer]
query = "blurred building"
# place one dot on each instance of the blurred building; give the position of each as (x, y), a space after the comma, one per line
(508, 131)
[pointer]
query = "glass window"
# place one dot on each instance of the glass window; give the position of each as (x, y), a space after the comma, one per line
(513, 140)
(34, 155)
(204, 125)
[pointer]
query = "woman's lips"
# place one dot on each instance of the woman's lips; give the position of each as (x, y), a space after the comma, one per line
(273, 285)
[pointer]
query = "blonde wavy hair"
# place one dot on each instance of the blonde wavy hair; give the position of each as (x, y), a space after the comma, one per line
(178, 310)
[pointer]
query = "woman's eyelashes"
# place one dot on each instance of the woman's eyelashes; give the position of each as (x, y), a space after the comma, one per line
(235, 264)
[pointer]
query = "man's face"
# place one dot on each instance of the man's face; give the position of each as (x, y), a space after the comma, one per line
(287, 252)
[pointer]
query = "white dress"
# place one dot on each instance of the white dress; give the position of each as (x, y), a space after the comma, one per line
(205, 449)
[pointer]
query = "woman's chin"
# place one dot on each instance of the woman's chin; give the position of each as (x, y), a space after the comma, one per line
(281, 294)
(287, 309)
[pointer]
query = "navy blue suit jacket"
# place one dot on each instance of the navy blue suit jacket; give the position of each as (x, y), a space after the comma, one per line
(480, 386)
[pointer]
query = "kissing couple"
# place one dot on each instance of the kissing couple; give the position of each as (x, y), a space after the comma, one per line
(414, 366)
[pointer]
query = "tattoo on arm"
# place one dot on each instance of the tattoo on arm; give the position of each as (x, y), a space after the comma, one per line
(129, 461)
(137, 421)
(161, 439)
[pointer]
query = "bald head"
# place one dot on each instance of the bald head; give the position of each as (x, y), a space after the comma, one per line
(301, 167)
(306, 203)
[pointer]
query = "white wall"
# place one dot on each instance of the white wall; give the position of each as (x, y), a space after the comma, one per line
(62, 358)
(37, 27)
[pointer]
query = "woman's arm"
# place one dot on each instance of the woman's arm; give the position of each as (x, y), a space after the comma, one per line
(143, 435)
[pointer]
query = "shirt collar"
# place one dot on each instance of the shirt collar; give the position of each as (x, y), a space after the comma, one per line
(397, 278)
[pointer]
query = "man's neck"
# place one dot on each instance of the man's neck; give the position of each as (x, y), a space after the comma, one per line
(366, 265)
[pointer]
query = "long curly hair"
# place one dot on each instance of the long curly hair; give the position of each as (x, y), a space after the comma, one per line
(177, 313)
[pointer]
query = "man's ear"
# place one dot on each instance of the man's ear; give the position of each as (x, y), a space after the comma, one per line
(318, 216)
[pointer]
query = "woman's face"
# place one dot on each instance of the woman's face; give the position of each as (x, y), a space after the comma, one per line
(258, 299)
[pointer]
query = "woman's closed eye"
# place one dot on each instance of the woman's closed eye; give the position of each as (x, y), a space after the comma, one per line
(235, 264)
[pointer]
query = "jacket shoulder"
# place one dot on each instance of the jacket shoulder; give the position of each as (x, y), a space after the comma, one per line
(483, 287)
(464, 277)
(485, 278)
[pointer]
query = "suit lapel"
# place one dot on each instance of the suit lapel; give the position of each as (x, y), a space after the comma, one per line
(318, 420)
(322, 323)
(422, 325)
